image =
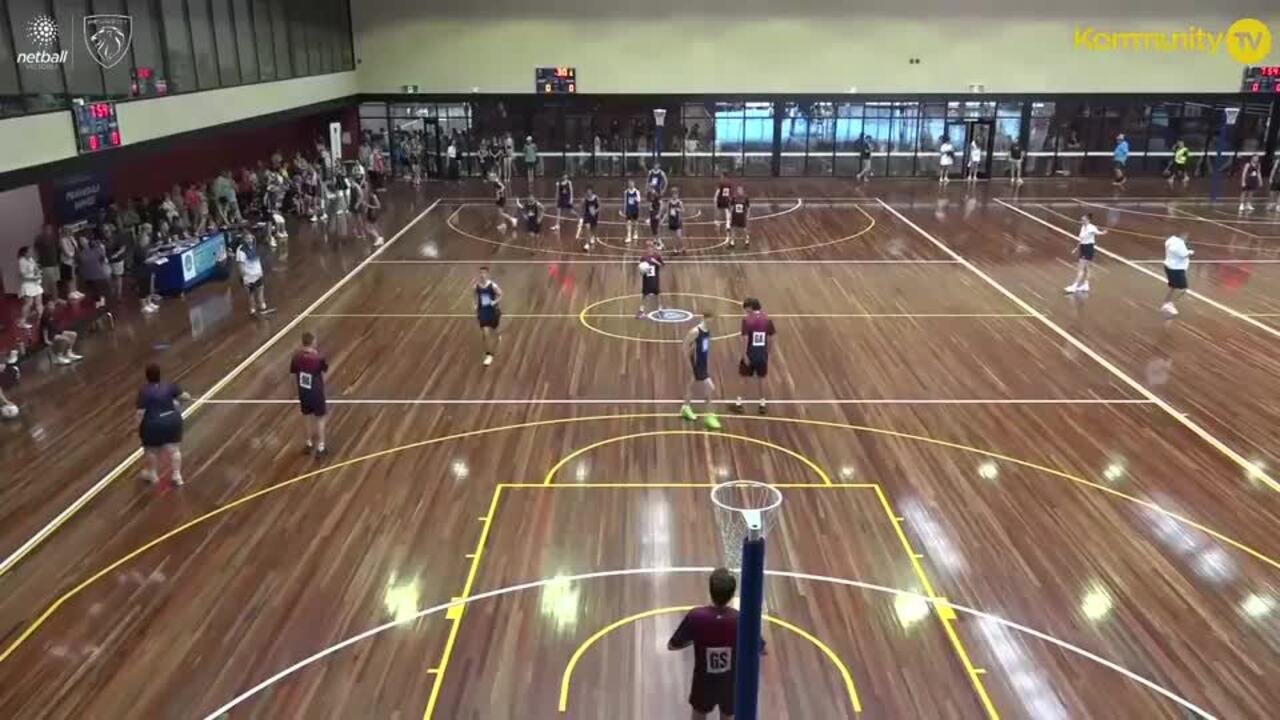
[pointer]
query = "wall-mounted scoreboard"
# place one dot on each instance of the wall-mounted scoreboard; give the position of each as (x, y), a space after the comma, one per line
(555, 81)
(97, 127)
(1261, 79)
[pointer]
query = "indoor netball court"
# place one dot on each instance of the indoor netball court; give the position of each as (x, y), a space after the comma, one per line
(996, 499)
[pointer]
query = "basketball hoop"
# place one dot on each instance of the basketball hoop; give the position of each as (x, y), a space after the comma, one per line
(745, 510)
(659, 117)
(1231, 114)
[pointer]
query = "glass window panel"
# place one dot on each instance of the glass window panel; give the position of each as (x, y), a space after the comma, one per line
(795, 139)
(148, 56)
(118, 79)
(931, 131)
(1042, 141)
(41, 84)
(1251, 128)
(177, 39)
(1043, 109)
(729, 128)
(822, 133)
(849, 141)
(935, 110)
(84, 79)
(224, 38)
(202, 44)
(281, 32)
(246, 45)
(904, 132)
(1009, 108)
(264, 38)
(850, 110)
(696, 121)
(757, 141)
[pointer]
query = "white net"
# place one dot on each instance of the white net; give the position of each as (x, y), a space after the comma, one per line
(1232, 114)
(744, 508)
(659, 117)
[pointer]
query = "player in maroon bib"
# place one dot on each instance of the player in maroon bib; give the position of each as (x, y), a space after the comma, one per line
(650, 267)
(757, 337)
(724, 197)
(712, 630)
(739, 211)
(308, 368)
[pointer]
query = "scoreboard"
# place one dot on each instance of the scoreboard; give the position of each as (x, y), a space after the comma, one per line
(97, 127)
(1262, 79)
(555, 81)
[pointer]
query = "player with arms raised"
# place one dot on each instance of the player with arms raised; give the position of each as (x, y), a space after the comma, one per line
(712, 630)
(757, 336)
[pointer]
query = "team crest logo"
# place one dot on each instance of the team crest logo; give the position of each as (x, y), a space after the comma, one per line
(108, 38)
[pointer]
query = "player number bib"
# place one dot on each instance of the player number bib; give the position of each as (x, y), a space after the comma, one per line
(652, 271)
(304, 380)
(486, 301)
(758, 339)
(719, 660)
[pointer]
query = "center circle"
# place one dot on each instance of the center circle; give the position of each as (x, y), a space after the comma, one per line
(670, 315)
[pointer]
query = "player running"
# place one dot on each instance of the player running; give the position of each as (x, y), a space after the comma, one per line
(698, 344)
(590, 218)
(488, 314)
(757, 336)
(650, 267)
(740, 212)
(631, 208)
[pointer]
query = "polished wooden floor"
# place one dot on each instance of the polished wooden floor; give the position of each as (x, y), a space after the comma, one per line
(1000, 501)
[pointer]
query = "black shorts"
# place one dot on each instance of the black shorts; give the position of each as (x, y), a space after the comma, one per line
(1086, 251)
(1252, 184)
(160, 430)
(700, 372)
(674, 224)
(654, 224)
(738, 222)
(313, 404)
(591, 221)
(66, 273)
(564, 204)
(708, 693)
(500, 202)
(754, 365)
(1117, 165)
(490, 319)
(253, 286)
(649, 286)
(633, 214)
(533, 227)
(722, 203)
(1177, 278)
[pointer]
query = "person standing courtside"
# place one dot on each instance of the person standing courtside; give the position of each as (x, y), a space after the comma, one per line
(757, 337)
(946, 157)
(250, 264)
(698, 344)
(1120, 159)
(1177, 261)
(488, 313)
(1015, 163)
(160, 425)
(530, 160)
(308, 367)
(864, 155)
(1178, 170)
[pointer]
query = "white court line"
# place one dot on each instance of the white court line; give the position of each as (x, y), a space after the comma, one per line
(676, 401)
(204, 399)
(617, 259)
(1249, 467)
(1136, 266)
(1215, 261)
(437, 609)
(1185, 214)
(1240, 231)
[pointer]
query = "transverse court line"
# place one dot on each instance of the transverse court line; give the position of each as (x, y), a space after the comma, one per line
(632, 316)
(677, 401)
(625, 259)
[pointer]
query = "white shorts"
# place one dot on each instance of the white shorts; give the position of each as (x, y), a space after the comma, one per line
(945, 162)
(31, 289)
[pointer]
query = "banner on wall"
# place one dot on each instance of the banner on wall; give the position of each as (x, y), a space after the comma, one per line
(335, 141)
(79, 197)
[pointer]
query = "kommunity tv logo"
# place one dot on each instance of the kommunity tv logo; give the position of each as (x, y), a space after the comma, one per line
(1247, 40)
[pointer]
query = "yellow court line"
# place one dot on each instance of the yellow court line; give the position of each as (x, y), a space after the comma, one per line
(847, 676)
(551, 474)
(62, 599)
(455, 613)
(946, 615)
(678, 486)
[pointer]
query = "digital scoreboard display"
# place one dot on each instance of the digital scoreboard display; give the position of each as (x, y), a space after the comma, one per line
(96, 126)
(1261, 79)
(555, 81)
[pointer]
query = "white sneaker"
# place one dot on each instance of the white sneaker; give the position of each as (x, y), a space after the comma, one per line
(1071, 289)
(586, 246)
(555, 227)
(488, 360)
(730, 243)
(1168, 309)
(74, 357)
(150, 308)
(378, 241)
(75, 295)
(61, 360)
(1082, 288)
(24, 325)
(177, 479)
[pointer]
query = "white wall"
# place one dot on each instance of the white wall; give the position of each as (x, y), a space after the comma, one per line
(37, 139)
(23, 215)
(677, 46)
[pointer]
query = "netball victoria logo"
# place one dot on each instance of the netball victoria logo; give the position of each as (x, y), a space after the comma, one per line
(41, 33)
(108, 38)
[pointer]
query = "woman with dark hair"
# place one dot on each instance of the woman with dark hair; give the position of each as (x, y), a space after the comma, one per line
(160, 424)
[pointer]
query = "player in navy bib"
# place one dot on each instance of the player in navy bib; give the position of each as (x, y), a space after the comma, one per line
(712, 630)
(657, 179)
(564, 199)
(698, 344)
(757, 338)
(488, 314)
(675, 218)
(724, 196)
(308, 368)
(650, 267)
(590, 217)
(739, 211)
(631, 208)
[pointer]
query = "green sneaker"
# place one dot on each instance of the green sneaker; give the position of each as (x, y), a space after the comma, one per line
(712, 422)
(687, 413)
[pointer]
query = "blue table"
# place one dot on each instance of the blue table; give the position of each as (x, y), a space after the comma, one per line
(189, 264)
